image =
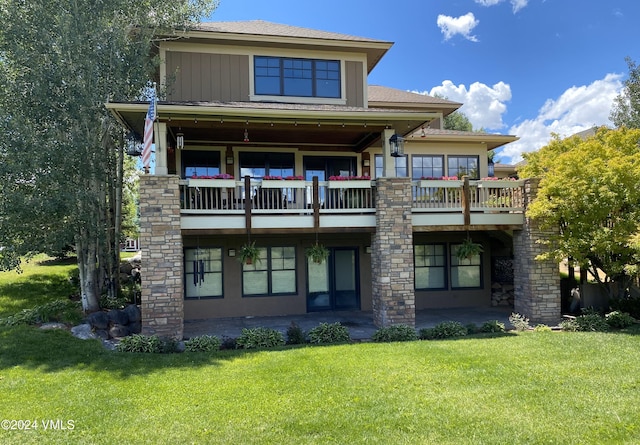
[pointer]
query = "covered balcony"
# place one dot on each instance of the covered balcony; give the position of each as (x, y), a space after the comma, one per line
(227, 205)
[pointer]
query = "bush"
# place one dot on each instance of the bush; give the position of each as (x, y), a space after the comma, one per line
(472, 328)
(628, 305)
(329, 333)
(119, 302)
(519, 322)
(203, 343)
(257, 338)
(569, 325)
(446, 329)
(492, 326)
(228, 343)
(619, 320)
(592, 323)
(140, 343)
(295, 335)
(63, 311)
(399, 332)
(542, 328)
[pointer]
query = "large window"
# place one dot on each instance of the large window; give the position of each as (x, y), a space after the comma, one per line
(273, 274)
(279, 76)
(463, 166)
(200, 163)
(400, 166)
(203, 272)
(258, 164)
(430, 266)
(465, 273)
(427, 167)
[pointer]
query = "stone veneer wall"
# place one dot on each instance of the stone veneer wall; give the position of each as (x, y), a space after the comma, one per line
(536, 283)
(392, 254)
(162, 302)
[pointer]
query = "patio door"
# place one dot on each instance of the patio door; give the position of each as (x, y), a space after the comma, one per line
(334, 284)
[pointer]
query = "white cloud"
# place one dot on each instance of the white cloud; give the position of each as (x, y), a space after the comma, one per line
(577, 109)
(484, 105)
(463, 25)
(516, 4)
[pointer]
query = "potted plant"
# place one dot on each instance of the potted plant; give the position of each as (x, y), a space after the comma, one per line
(468, 249)
(249, 253)
(317, 253)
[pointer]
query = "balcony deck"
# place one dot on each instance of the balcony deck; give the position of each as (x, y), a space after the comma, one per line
(222, 205)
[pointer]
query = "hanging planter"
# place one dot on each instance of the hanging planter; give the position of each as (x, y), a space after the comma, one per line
(317, 253)
(249, 253)
(468, 249)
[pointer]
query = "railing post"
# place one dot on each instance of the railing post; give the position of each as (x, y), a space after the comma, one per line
(247, 202)
(315, 196)
(466, 201)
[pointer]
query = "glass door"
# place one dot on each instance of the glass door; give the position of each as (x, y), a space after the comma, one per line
(333, 285)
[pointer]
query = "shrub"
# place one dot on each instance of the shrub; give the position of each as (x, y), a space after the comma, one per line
(119, 302)
(329, 333)
(63, 311)
(399, 332)
(228, 343)
(542, 328)
(446, 329)
(492, 326)
(619, 320)
(203, 343)
(260, 338)
(628, 305)
(295, 334)
(472, 328)
(519, 322)
(592, 323)
(569, 325)
(140, 343)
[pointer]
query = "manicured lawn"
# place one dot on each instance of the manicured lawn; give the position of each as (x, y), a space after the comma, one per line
(530, 388)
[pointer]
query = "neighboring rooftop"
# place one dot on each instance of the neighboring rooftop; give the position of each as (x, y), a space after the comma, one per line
(380, 96)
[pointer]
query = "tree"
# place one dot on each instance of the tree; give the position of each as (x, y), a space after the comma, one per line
(589, 194)
(626, 107)
(61, 151)
(457, 121)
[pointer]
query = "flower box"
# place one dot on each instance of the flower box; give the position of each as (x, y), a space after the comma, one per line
(350, 184)
(215, 183)
(440, 183)
(273, 183)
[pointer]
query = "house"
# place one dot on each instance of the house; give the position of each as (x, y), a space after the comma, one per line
(316, 155)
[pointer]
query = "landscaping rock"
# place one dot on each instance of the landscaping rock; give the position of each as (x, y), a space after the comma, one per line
(135, 327)
(118, 331)
(49, 326)
(118, 317)
(83, 332)
(101, 333)
(99, 320)
(133, 312)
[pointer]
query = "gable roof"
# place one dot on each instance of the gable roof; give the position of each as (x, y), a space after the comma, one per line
(380, 96)
(258, 33)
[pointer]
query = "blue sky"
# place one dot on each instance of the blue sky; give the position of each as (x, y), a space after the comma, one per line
(521, 67)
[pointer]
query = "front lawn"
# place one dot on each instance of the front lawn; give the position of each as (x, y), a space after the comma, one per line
(528, 388)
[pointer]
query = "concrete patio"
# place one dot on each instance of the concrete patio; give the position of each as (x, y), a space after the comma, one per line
(360, 323)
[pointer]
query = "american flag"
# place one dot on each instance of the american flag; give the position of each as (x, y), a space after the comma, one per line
(148, 134)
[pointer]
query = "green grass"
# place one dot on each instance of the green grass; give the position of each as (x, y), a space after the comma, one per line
(529, 388)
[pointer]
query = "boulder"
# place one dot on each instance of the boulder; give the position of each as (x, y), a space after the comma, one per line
(126, 268)
(99, 320)
(135, 327)
(104, 335)
(118, 317)
(133, 312)
(83, 331)
(118, 331)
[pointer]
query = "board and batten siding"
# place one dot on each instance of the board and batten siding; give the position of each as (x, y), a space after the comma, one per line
(354, 84)
(207, 77)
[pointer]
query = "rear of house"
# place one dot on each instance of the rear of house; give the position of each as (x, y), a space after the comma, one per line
(270, 134)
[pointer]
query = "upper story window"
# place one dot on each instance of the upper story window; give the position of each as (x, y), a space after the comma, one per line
(463, 166)
(280, 76)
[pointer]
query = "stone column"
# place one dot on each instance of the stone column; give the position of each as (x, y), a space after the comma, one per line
(536, 283)
(392, 254)
(161, 243)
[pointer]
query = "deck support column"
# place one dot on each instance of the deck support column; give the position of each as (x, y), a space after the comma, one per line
(393, 292)
(162, 301)
(536, 282)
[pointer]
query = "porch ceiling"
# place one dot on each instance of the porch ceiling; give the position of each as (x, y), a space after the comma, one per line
(307, 127)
